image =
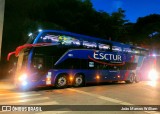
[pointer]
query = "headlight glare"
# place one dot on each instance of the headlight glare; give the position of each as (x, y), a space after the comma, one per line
(24, 83)
(153, 75)
(22, 77)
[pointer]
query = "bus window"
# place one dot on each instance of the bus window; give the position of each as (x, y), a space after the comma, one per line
(89, 44)
(116, 48)
(38, 63)
(129, 66)
(138, 51)
(127, 50)
(144, 52)
(104, 46)
(100, 66)
(69, 64)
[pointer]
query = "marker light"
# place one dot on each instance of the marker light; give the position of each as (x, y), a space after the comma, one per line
(48, 79)
(22, 77)
(30, 34)
(40, 30)
(71, 78)
(97, 77)
(153, 75)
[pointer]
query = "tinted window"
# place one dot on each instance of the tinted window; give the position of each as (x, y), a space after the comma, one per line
(38, 63)
(71, 63)
(128, 66)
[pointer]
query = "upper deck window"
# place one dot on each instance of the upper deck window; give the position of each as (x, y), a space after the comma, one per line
(58, 38)
(127, 50)
(104, 46)
(38, 63)
(144, 52)
(136, 51)
(89, 44)
(139, 51)
(116, 48)
(48, 38)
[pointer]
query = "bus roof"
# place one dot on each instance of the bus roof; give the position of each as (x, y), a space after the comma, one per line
(85, 37)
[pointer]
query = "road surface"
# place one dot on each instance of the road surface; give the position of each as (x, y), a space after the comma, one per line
(119, 94)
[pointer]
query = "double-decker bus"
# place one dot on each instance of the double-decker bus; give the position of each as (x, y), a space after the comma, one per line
(59, 58)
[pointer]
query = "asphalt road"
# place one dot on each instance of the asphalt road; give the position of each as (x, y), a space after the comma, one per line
(89, 98)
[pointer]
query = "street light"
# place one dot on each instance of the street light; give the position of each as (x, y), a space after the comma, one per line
(40, 30)
(30, 34)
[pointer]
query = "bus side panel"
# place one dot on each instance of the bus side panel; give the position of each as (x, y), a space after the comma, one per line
(89, 75)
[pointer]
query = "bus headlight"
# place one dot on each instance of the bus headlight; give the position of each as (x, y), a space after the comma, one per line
(22, 77)
(24, 83)
(153, 75)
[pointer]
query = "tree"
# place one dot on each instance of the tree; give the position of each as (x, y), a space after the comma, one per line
(117, 19)
(147, 30)
(22, 17)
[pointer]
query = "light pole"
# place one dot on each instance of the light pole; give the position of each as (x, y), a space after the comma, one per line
(2, 2)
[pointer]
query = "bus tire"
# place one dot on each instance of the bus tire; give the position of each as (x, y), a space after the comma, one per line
(131, 78)
(137, 78)
(114, 81)
(61, 81)
(79, 80)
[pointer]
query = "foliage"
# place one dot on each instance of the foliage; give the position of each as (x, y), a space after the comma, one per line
(24, 16)
(147, 30)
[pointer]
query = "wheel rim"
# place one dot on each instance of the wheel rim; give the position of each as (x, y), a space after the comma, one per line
(131, 78)
(62, 81)
(78, 81)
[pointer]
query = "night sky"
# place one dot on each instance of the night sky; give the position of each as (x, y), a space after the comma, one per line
(133, 8)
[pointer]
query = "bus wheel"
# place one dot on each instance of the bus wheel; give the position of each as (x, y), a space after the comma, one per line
(137, 79)
(131, 79)
(61, 81)
(79, 80)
